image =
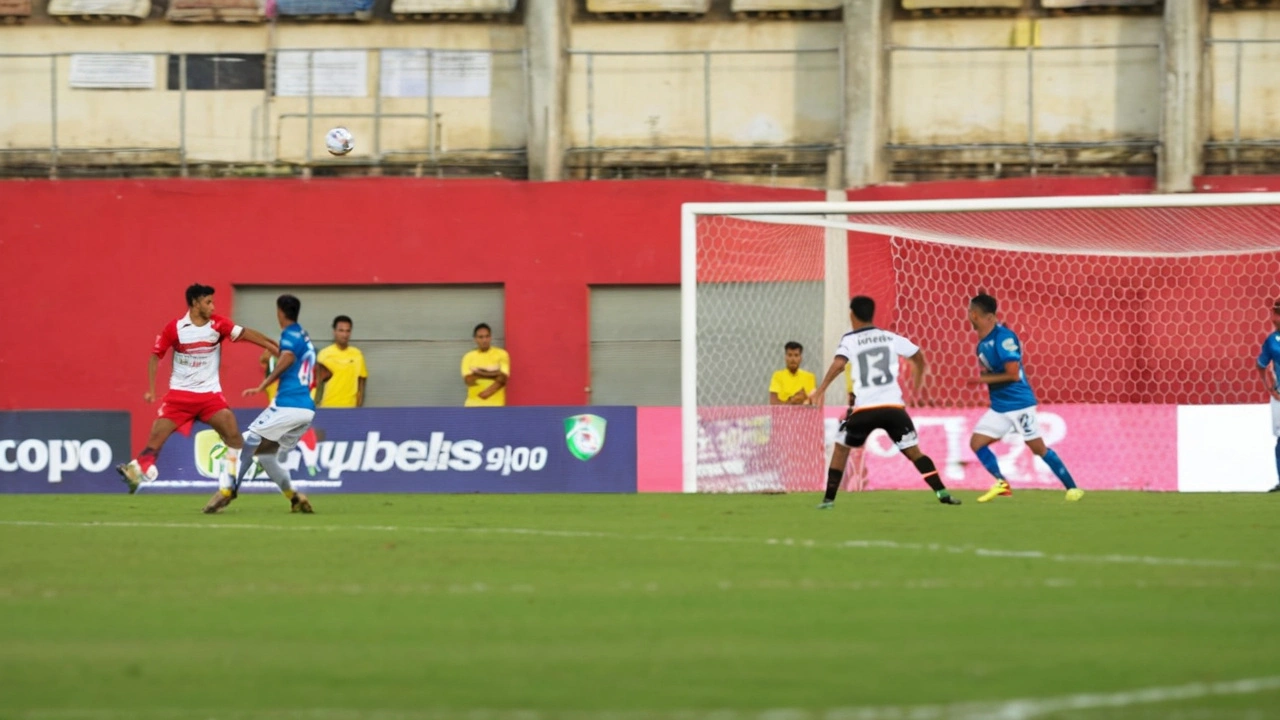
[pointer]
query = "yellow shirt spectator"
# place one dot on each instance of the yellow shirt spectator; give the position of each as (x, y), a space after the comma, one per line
(346, 388)
(791, 385)
(493, 359)
(785, 384)
(486, 371)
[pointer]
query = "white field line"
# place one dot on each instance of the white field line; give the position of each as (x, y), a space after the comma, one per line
(1019, 709)
(27, 591)
(784, 542)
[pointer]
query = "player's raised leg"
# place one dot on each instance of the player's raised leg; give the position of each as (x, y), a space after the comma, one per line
(143, 468)
(1059, 468)
(929, 472)
(991, 427)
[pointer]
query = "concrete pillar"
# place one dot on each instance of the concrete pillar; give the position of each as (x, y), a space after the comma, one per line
(866, 90)
(1185, 121)
(835, 301)
(546, 24)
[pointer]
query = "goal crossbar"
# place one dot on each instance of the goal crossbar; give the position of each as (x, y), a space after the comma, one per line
(1066, 202)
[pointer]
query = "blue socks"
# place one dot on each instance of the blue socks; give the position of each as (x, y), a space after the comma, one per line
(989, 462)
(1056, 465)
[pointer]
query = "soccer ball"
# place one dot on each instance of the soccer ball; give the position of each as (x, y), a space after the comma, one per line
(339, 141)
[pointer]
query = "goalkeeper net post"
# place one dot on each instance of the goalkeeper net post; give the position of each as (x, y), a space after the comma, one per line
(1111, 276)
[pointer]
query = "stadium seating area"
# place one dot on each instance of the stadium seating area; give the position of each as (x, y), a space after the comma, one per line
(241, 11)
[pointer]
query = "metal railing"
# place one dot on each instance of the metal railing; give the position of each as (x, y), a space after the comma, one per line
(17, 149)
(1032, 145)
(1237, 141)
(56, 148)
(708, 145)
(432, 119)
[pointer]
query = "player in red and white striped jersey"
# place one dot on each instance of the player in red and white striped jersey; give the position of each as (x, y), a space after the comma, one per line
(195, 390)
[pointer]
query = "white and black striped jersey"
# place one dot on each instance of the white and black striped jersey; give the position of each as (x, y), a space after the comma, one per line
(873, 360)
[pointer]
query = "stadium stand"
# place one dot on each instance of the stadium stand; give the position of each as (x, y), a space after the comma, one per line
(326, 9)
(417, 9)
(67, 10)
(961, 4)
(14, 11)
(753, 6)
(649, 6)
(1074, 4)
(213, 11)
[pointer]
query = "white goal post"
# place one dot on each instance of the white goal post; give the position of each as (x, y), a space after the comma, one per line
(756, 274)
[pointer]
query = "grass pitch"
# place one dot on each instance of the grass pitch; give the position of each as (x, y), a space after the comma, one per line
(593, 607)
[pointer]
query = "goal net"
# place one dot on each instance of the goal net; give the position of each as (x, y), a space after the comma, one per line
(1119, 300)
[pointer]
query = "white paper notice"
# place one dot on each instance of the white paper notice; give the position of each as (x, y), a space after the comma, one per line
(334, 73)
(454, 73)
(113, 71)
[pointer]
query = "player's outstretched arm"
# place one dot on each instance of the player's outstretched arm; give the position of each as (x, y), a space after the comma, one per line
(152, 365)
(285, 361)
(261, 340)
(833, 372)
(919, 370)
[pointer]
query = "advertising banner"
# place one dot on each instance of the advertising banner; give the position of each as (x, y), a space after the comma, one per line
(1106, 447)
(62, 451)
(449, 450)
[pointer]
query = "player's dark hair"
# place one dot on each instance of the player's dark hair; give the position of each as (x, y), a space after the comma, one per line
(481, 326)
(197, 291)
(863, 308)
(290, 306)
(342, 318)
(985, 303)
(793, 345)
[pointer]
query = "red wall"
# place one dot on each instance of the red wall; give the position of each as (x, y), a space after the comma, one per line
(90, 270)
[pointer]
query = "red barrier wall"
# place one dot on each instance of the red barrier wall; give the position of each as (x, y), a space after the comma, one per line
(90, 270)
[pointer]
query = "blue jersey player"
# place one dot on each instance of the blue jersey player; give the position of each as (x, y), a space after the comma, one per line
(1269, 371)
(1013, 404)
(276, 432)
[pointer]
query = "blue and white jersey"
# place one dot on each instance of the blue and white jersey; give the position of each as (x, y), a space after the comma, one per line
(295, 383)
(1270, 353)
(1001, 346)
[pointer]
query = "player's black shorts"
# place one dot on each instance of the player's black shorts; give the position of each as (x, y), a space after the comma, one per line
(893, 420)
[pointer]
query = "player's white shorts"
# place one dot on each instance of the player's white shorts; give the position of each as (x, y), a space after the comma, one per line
(1025, 422)
(284, 425)
(1275, 417)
